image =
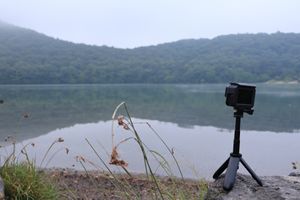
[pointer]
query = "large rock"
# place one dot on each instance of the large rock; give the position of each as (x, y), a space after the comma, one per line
(275, 188)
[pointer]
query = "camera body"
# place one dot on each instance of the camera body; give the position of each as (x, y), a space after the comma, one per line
(240, 96)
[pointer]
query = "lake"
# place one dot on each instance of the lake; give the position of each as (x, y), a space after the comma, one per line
(192, 119)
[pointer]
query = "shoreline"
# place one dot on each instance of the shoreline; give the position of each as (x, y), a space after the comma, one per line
(103, 185)
(99, 184)
(95, 184)
(295, 82)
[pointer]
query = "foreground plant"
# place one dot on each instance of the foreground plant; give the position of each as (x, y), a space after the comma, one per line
(159, 188)
(22, 181)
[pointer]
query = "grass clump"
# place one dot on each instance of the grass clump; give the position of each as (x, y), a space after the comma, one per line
(23, 181)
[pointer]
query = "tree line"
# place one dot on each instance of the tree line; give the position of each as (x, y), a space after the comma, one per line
(28, 57)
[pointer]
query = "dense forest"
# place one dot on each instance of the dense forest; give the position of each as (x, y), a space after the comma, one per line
(28, 57)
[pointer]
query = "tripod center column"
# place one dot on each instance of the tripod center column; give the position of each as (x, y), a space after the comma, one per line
(236, 142)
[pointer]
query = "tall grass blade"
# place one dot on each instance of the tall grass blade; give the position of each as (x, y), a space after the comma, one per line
(143, 151)
(106, 166)
(168, 148)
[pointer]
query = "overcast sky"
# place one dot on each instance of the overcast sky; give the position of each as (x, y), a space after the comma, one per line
(132, 23)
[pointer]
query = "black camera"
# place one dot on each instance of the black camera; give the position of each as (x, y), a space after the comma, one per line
(240, 96)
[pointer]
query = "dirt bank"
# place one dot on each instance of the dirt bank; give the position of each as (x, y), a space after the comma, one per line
(101, 185)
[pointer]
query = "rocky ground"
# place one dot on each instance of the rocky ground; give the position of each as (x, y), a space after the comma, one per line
(274, 188)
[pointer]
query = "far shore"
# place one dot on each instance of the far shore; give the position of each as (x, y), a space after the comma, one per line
(283, 82)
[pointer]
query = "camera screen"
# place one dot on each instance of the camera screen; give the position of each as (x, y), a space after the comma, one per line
(245, 96)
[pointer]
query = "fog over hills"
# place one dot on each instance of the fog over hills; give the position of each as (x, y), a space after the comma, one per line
(28, 57)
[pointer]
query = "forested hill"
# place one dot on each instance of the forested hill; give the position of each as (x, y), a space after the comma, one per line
(30, 57)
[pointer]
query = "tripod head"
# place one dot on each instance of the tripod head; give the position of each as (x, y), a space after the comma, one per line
(240, 113)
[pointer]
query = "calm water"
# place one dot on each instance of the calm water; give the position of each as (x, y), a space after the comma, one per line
(192, 119)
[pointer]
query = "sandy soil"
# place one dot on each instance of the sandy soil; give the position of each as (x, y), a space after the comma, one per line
(101, 185)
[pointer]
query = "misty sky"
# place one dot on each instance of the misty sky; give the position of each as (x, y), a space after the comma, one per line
(132, 23)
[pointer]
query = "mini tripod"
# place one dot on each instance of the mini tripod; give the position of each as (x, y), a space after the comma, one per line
(232, 163)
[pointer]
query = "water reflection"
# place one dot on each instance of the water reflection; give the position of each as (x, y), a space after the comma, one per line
(33, 110)
(200, 150)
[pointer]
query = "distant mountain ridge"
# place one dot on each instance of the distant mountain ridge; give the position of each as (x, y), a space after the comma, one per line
(28, 57)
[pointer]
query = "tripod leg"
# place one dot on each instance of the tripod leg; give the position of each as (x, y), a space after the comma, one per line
(251, 172)
(233, 166)
(221, 169)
